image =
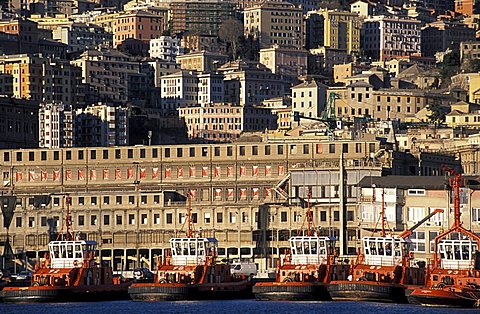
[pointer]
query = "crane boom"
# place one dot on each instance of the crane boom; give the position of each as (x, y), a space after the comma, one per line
(408, 232)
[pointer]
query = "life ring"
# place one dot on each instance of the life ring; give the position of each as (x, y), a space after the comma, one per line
(163, 281)
(35, 284)
(75, 263)
(287, 279)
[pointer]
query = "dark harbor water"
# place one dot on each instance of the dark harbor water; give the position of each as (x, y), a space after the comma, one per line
(236, 306)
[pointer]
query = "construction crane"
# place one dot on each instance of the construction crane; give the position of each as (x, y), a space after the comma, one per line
(409, 232)
(328, 114)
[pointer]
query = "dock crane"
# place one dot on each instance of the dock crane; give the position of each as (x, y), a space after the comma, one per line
(409, 232)
(328, 114)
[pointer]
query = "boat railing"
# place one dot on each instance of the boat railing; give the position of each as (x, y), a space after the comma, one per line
(382, 260)
(303, 259)
(457, 264)
(184, 260)
(67, 263)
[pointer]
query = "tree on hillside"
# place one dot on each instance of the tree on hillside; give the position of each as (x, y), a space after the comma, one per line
(230, 32)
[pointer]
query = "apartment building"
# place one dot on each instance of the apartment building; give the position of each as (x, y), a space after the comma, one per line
(139, 25)
(362, 99)
(179, 89)
(287, 62)
(221, 122)
(202, 61)
(40, 79)
(441, 35)
(469, 49)
(106, 74)
(18, 123)
(200, 16)
(80, 37)
(338, 30)
(101, 125)
(195, 42)
(211, 88)
(56, 125)
(248, 83)
(309, 100)
(467, 7)
(387, 38)
(166, 48)
(275, 23)
(27, 32)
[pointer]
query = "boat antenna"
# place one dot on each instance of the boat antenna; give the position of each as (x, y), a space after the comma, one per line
(309, 217)
(189, 221)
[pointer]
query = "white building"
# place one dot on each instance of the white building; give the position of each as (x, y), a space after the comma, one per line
(179, 89)
(210, 88)
(101, 125)
(56, 125)
(388, 38)
(166, 48)
(80, 37)
(309, 98)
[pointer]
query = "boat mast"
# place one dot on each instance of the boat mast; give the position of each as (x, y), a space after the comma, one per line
(383, 212)
(69, 236)
(309, 215)
(189, 216)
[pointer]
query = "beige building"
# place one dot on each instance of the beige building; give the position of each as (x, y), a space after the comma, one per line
(238, 190)
(285, 61)
(106, 74)
(361, 99)
(202, 61)
(464, 114)
(275, 23)
(220, 122)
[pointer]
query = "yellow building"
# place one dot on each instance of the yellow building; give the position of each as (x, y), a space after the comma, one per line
(463, 114)
(339, 30)
(39, 79)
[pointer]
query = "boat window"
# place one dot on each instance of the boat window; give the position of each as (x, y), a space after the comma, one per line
(448, 251)
(56, 251)
(397, 250)
(373, 248)
(314, 247)
(78, 251)
(381, 251)
(63, 253)
(388, 249)
(465, 252)
(456, 250)
(177, 249)
(306, 247)
(299, 247)
(69, 251)
(192, 248)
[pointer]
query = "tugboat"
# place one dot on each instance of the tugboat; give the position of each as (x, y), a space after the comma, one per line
(69, 273)
(189, 270)
(454, 276)
(384, 270)
(303, 273)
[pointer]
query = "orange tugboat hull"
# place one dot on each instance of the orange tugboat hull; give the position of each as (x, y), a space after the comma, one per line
(448, 297)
